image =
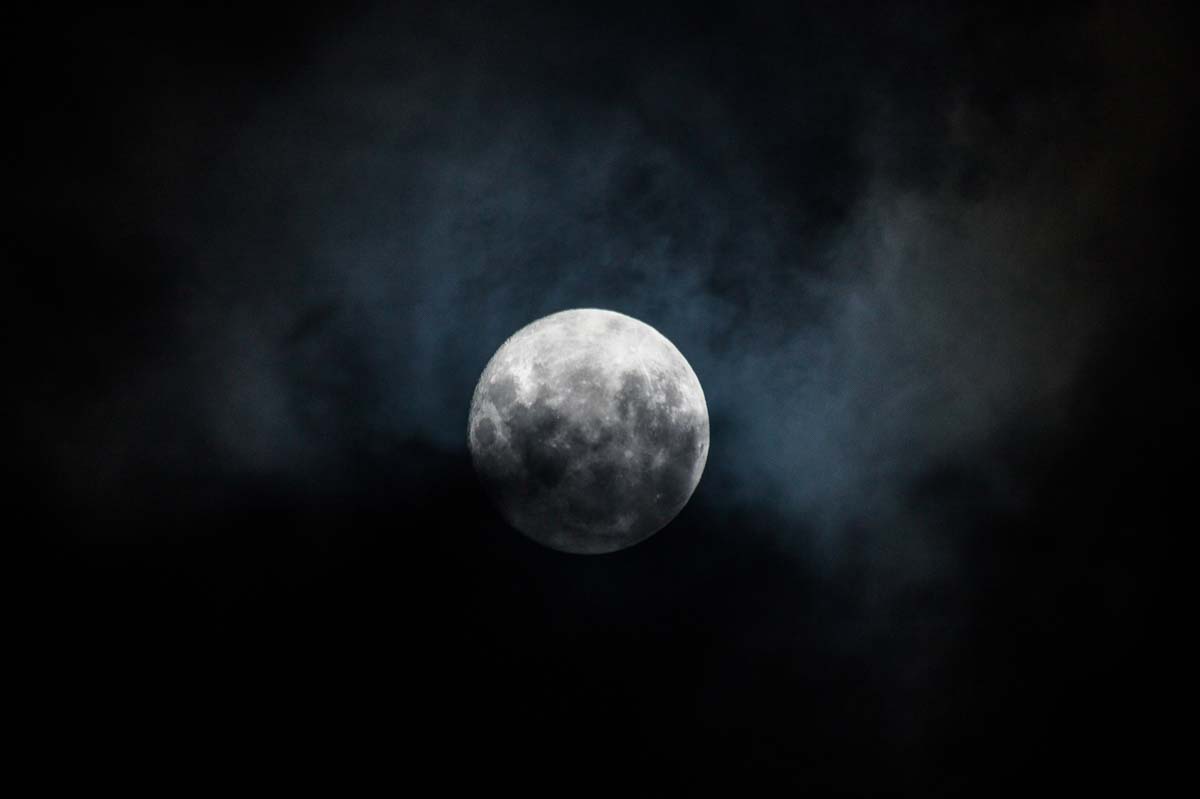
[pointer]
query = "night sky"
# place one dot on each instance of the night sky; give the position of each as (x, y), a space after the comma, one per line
(933, 264)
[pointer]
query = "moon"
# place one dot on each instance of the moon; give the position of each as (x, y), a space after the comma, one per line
(588, 430)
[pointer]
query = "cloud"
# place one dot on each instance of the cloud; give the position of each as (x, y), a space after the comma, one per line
(896, 275)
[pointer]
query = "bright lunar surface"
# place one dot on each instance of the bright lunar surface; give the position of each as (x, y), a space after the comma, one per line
(589, 430)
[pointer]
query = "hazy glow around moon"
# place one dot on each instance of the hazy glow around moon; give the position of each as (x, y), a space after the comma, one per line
(589, 430)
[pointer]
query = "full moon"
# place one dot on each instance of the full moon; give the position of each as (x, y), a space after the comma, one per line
(589, 431)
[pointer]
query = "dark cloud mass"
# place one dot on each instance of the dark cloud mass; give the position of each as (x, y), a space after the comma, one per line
(924, 258)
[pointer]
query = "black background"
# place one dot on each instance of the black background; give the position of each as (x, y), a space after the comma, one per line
(261, 254)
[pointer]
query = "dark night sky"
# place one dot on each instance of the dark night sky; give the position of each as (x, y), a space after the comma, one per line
(928, 261)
